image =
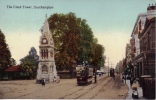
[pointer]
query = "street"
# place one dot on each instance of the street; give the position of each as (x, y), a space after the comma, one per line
(105, 88)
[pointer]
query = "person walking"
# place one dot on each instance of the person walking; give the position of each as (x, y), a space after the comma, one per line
(54, 79)
(117, 79)
(123, 77)
(43, 82)
(131, 80)
(135, 87)
(58, 79)
(114, 76)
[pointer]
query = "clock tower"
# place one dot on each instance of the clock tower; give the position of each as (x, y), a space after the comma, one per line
(46, 67)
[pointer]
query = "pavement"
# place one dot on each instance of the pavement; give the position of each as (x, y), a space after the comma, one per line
(129, 95)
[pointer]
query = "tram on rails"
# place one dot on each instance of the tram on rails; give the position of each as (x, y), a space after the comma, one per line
(84, 75)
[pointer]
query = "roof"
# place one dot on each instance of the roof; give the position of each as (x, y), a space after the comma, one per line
(13, 69)
(149, 17)
(142, 16)
(151, 7)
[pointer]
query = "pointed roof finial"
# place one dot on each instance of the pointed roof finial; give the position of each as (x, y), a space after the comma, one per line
(46, 16)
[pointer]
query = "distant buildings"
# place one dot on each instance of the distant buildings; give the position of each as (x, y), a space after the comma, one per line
(128, 53)
(119, 67)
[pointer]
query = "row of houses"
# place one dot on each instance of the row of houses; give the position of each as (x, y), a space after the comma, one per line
(141, 49)
(140, 52)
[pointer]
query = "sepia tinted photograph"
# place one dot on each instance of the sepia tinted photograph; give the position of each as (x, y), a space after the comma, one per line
(77, 49)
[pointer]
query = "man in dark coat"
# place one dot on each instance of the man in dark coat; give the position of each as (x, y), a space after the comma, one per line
(131, 80)
(123, 77)
(43, 82)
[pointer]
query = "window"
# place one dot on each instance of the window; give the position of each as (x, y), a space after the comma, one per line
(44, 69)
(140, 25)
(42, 53)
(47, 53)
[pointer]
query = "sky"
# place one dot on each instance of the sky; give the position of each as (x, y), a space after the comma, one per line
(112, 22)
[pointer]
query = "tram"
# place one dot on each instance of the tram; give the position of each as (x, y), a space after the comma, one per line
(111, 72)
(84, 75)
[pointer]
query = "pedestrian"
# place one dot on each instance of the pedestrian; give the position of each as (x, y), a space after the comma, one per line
(58, 79)
(114, 76)
(123, 77)
(135, 87)
(43, 82)
(54, 79)
(131, 80)
(117, 79)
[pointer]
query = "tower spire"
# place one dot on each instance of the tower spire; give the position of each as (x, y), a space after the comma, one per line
(45, 28)
(46, 17)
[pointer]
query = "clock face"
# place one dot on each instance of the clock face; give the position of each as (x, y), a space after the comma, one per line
(44, 40)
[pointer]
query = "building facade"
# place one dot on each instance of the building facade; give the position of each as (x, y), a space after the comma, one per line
(137, 59)
(128, 53)
(147, 47)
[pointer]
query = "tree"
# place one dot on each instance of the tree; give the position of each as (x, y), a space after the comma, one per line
(12, 61)
(29, 66)
(5, 54)
(86, 44)
(74, 40)
(131, 68)
(65, 32)
(29, 63)
(98, 52)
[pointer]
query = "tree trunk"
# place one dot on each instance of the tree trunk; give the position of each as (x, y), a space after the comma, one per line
(95, 79)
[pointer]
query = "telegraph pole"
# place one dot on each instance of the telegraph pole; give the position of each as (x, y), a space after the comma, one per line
(111, 64)
(108, 66)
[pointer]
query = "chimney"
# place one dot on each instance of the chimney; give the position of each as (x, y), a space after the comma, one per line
(151, 7)
(148, 7)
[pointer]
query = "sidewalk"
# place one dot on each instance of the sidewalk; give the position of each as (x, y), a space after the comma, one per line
(129, 95)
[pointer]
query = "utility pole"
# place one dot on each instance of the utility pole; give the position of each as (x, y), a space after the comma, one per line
(95, 65)
(108, 66)
(111, 64)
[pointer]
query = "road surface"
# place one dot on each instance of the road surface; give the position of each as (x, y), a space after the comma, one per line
(105, 88)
